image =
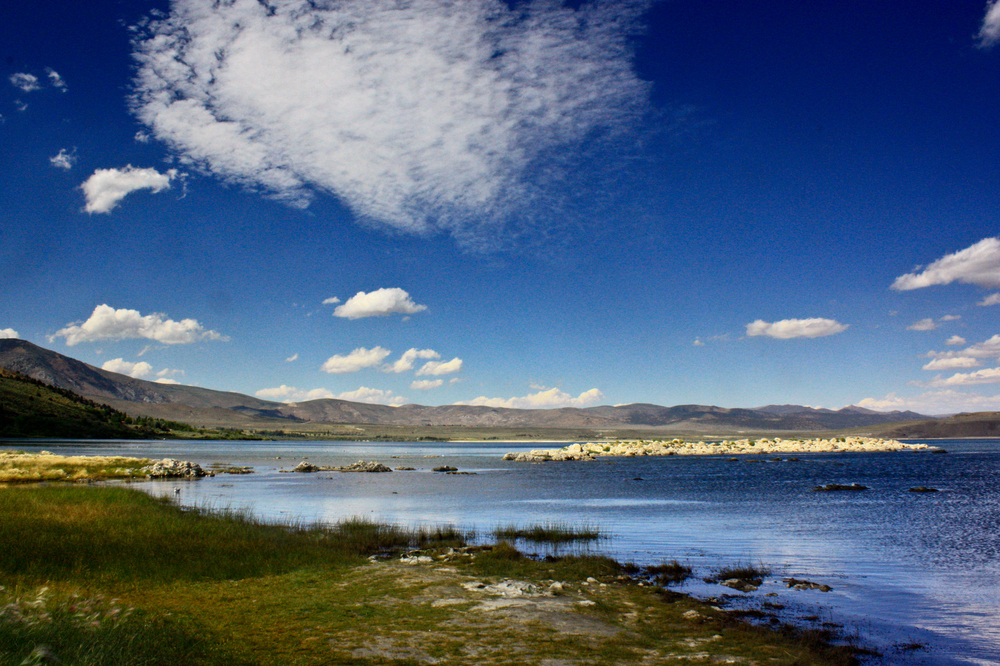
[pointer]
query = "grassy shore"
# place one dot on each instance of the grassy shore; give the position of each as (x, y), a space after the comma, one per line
(110, 575)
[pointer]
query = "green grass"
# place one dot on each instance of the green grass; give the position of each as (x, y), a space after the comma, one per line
(669, 572)
(136, 580)
(550, 533)
(745, 572)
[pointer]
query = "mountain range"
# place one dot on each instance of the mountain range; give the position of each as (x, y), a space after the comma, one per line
(210, 408)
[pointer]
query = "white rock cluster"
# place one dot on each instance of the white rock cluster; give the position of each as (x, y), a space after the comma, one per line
(592, 450)
(170, 468)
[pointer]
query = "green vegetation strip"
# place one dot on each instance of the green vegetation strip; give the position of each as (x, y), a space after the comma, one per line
(110, 575)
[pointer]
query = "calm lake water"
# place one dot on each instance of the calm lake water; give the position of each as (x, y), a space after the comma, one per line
(906, 568)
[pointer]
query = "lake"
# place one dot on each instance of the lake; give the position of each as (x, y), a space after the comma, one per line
(906, 568)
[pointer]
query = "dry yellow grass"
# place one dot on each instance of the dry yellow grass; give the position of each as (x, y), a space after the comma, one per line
(22, 467)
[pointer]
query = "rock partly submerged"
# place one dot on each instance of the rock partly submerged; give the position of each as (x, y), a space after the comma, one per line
(593, 450)
(360, 466)
(168, 468)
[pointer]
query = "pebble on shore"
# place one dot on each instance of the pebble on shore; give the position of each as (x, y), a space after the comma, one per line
(592, 450)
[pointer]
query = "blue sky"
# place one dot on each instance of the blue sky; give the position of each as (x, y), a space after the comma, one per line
(523, 204)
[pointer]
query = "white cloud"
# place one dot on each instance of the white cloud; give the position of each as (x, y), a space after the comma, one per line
(425, 384)
(424, 115)
(107, 323)
(64, 159)
(978, 264)
(378, 303)
(984, 376)
(291, 359)
(989, 32)
(373, 396)
(989, 348)
(951, 318)
(56, 80)
(405, 362)
(333, 300)
(137, 370)
(955, 340)
(165, 380)
(440, 367)
(142, 137)
(357, 360)
(945, 401)
(285, 393)
(795, 328)
(952, 363)
(549, 399)
(992, 299)
(922, 325)
(25, 82)
(106, 187)
(698, 343)
(8, 333)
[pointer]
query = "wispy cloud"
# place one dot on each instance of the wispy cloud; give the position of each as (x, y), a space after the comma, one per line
(795, 328)
(378, 303)
(425, 115)
(552, 398)
(989, 32)
(106, 187)
(8, 333)
(64, 159)
(978, 264)
(107, 323)
(940, 401)
(358, 359)
(992, 299)
(56, 80)
(291, 359)
(25, 82)
(927, 324)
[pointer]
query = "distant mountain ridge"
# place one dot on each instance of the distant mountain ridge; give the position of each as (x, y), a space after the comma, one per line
(207, 407)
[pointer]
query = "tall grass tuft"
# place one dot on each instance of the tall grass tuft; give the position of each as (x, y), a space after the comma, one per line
(550, 533)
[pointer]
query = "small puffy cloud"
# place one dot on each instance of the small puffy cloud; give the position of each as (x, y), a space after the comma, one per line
(291, 359)
(25, 82)
(107, 323)
(64, 159)
(138, 370)
(989, 348)
(955, 340)
(56, 80)
(552, 398)
(378, 303)
(357, 360)
(8, 333)
(978, 264)
(922, 325)
(698, 343)
(285, 393)
(425, 384)
(951, 317)
(106, 187)
(165, 380)
(333, 300)
(989, 31)
(423, 116)
(796, 328)
(440, 367)
(142, 137)
(956, 363)
(984, 376)
(992, 299)
(405, 362)
(372, 396)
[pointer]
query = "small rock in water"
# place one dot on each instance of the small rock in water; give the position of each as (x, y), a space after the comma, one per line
(445, 468)
(170, 468)
(923, 489)
(365, 466)
(305, 467)
(832, 487)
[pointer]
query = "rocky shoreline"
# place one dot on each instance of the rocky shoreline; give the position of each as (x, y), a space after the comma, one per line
(675, 447)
